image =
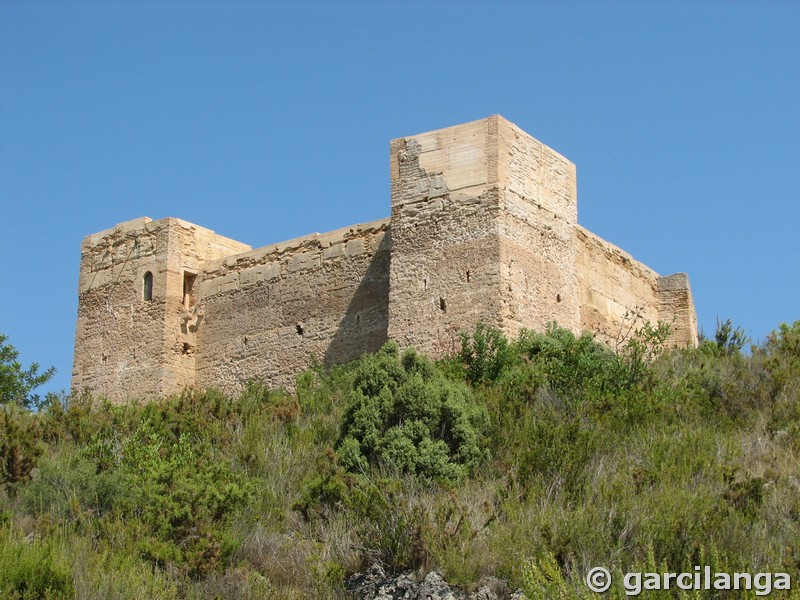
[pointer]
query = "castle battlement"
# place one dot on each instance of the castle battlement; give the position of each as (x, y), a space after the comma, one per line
(483, 227)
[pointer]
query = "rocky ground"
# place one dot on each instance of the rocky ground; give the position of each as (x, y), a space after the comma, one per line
(374, 584)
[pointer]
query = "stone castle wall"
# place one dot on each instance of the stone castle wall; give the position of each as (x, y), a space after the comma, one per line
(266, 312)
(483, 226)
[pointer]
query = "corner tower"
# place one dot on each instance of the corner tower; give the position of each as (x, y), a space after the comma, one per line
(137, 317)
(482, 228)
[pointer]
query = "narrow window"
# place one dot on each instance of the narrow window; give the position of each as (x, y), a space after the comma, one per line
(148, 286)
(188, 284)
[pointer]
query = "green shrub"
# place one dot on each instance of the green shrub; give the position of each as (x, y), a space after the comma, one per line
(782, 356)
(16, 383)
(68, 488)
(485, 354)
(402, 413)
(728, 340)
(183, 497)
(175, 496)
(30, 570)
(542, 578)
(20, 446)
(573, 367)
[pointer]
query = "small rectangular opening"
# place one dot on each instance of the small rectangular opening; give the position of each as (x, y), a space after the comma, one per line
(188, 285)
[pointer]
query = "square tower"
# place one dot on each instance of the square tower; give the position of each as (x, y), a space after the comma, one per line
(137, 316)
(482, 228)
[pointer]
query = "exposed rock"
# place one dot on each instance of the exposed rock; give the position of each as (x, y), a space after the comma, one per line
(490, 588)
(436, 588)
(374, 584)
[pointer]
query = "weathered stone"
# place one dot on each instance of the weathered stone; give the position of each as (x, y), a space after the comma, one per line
(483, 227)
(375, 584)
(304, 261)
(434, 586)
(335, 251)
(355, 247)
(490, 588)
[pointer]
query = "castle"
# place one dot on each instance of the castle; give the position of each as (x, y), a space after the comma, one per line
(483, 226)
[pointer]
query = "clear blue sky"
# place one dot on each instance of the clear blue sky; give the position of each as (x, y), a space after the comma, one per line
(266, 121)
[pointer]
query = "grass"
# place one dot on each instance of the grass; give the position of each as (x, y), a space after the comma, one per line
(590, 458)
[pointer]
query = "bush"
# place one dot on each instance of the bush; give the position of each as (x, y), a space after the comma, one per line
(16, 383)
(403, 414)
(33, 570)
(782, 355)
(573, 366)
(175, 496)
(728, 340)
(485, 354)
(20, 446)
(180, 495)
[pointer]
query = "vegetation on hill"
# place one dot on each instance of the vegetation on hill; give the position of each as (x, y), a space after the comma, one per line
(16, 383)
(533, 460)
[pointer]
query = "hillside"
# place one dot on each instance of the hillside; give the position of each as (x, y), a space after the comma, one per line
(531, 460)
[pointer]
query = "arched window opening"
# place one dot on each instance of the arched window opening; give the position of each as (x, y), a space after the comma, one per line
(148, 286)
